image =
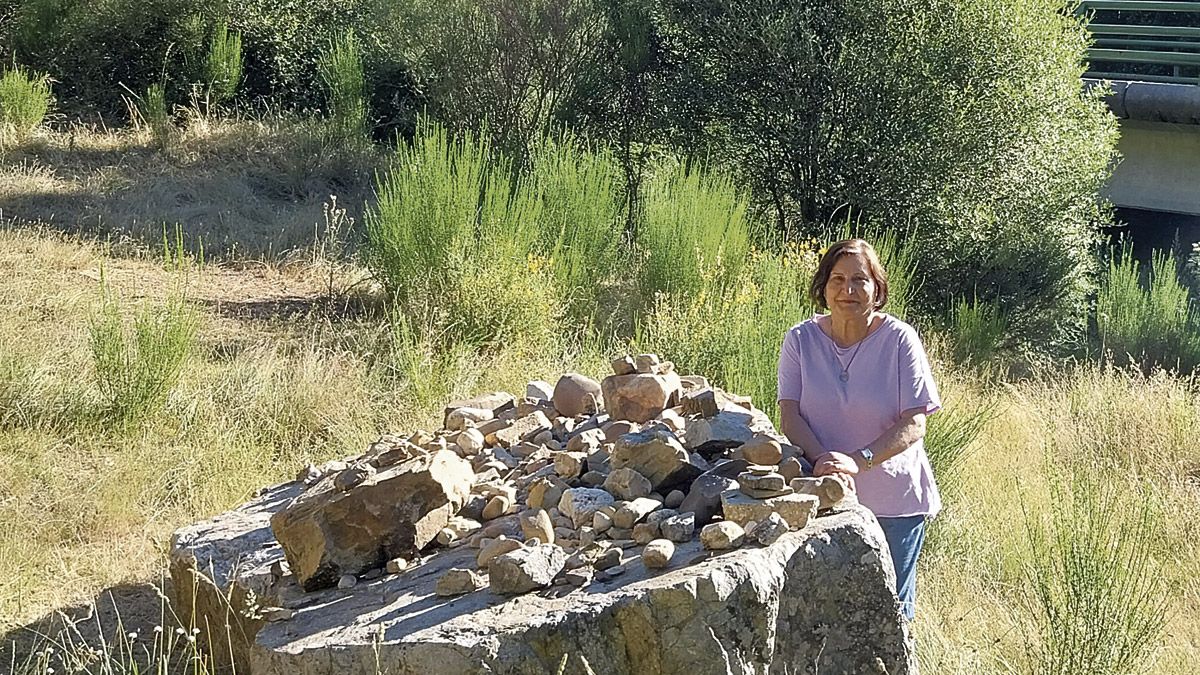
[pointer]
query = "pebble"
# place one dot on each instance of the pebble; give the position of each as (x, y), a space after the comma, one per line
(347, 581)
(396, 566)
(657, 553)
(673, 499)
(610, 559)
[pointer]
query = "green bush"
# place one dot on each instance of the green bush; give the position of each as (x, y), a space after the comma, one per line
(1099, 599)
(157, 117)
(978, 331)
(24, 101)
(136, 368)
(223, 65)
(1152, 326)
(962, 120)
(341, 70)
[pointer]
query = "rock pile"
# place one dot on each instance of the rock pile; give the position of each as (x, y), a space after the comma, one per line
(575, 476)
(578, 484)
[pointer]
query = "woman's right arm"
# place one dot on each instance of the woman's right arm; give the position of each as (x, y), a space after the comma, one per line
(798, 431)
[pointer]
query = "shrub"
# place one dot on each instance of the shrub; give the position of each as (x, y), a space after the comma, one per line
(223, 65)
(978, 330)
(136, 369)
(341, 71)
(938, 116)
(157, 116)
(24, 101)
(1155, 326)
(1099, 599)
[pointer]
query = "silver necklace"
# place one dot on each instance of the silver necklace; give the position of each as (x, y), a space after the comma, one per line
(845, 376)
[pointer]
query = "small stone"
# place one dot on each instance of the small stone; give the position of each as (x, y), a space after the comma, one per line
(562, 532)
(611, 558)
(616, 429)
(770, 530)
(593, 478)
(588, 441)
(542, 437)
(702, 402)
(495, 549)
(458, 581)
(539, 389)
(587, 535)
(679, 528)
(771, 482)
(827, 489)
(644, 363)
(796, 509)
(620, 534)
(497, 506)
(546, 492)
(462, 418)
(353, 476)
(396, 566)
(673, 499)
(644, 533)
(538, 524)
(634, 511)
(601, 521)
(661, 515)
(569, 465)
(526, 569)
(627, 483)
(722, 535)
(623, 365)
(523, 429)
(347, 581)
(762, 450)
(471, 441)
(579, 577)
(657, 553)
(275, 614)
(791, 468)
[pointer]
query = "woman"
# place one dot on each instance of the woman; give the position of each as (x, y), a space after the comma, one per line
(854, 390)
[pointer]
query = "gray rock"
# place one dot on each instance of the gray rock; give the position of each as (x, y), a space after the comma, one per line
(581, 504)
(632, 513)
(822, 597)
(770, 530)
(347, 581)
(457, 581)
(494, 549)
(673, 499)
(657, 553)
(728, 429)
(657, 455)
(679, 528)
(610, 558)
(526, 569)
(796, 509)
(327, 533)
(704, 498)
(539, 389)
(496, 402)
(721, 536)
(829, 490)
(626, 483)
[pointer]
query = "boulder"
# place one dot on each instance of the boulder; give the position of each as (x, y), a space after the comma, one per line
(326, 533)
(821, 597)
(657, 455)
(576, 394)
(639, 397)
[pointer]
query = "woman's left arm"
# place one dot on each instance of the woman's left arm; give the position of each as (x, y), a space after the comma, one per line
(908, 429)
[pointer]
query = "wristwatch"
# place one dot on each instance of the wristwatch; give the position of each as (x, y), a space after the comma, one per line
(868, 456)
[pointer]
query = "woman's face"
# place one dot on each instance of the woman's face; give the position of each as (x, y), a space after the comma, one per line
(850, 289)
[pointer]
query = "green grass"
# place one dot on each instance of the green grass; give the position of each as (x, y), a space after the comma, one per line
(25, 99)
(341, 70)
(223, 64)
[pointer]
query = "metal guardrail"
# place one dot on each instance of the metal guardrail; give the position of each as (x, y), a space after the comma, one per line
(1137, 40)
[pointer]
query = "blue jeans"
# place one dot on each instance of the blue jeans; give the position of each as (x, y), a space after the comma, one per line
(904, 537)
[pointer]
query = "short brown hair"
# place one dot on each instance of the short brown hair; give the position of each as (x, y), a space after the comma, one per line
(816, 291)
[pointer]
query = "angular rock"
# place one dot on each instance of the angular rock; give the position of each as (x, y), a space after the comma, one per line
(645, 363)
(396, 512)
(828, 489)
(644, 533)
(632, 512)
(497, 506)
(657, 455)
(526, 569)
(623, 365)
(576, 394)
(640, 397)
(580, 504)
(457, 581)
(657, 553)
(545, 493)
(495, 549)
(791, 468)
(523, 429)
(610, 558)
(352, 476)
(770, 530)
(586, 441)
(796, 509)
(823, 597)
(728, 429)
(679, 528)
(721, 536)
(396, 566)
(463, 418)
(770, 482)
(496, 402)
(702, 402)
(626, 483)
(471, 441)
(537, 524)
(704, 499)
(569, 465)
(539, 389)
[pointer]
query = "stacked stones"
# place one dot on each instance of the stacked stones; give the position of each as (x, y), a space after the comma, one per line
(566, 485)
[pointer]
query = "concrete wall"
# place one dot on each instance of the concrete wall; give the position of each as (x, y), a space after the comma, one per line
(1159, 169)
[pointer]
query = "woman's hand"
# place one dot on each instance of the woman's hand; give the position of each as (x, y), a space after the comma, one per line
(835, 462)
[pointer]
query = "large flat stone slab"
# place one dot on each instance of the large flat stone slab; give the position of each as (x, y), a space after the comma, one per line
(817, 600)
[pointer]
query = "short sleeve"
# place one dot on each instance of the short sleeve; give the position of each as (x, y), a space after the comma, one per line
(917, 388)
(789, 367)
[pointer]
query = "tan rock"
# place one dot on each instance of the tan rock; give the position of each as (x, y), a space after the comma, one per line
(326, 533)
(657, 455)
(762, 450)
(658, 553)
(569, 465)
(645, 363)
(497, 506)
(523, 429)
(462, 418)
(623, 365)
(640, 397)
(702, 402)
(828, 489)
(526, 569)
(576, 394)
(457, 581)
(644, 533)
(634, 511)
(722, 535)
(626, 483)
(581, 504)
(790, 468)
(497, 547)
(538, 524)
(496, 402)
(796, 509)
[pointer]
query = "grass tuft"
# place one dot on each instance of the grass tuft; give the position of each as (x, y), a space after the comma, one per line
(25, 99)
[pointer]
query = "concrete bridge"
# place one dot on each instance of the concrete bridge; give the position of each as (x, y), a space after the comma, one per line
(1148, 53)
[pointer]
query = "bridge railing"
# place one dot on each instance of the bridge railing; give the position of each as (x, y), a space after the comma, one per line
(1148, 40)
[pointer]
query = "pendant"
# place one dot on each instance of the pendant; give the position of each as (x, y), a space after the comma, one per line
(845, 376)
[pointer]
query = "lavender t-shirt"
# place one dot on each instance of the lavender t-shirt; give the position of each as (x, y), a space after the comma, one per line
(888, 373)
